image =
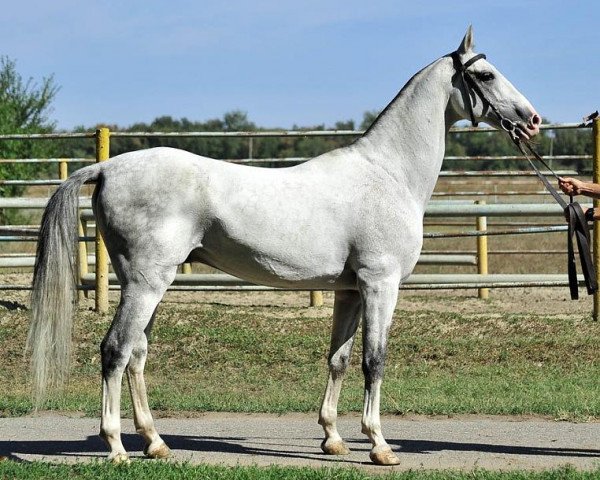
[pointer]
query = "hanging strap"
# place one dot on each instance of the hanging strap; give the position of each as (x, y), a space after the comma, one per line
(578, 228)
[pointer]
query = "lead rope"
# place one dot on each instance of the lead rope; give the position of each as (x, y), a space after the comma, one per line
(578, 228)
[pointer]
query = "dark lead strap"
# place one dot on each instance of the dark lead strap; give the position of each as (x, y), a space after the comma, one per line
(578, 228)
(557, 196)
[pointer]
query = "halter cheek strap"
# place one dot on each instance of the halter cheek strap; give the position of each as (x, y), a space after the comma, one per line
(461, 69)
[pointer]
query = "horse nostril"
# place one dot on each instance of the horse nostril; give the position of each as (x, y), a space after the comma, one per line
(536, 120)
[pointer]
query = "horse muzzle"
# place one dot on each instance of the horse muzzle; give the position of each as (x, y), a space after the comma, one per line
(522, 130)
(532, 127)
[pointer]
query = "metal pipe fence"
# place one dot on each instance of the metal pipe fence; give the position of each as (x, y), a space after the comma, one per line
(435, 209)
(480, 212)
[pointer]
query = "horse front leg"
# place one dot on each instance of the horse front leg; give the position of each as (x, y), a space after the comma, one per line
(379, 301)
(346, 313)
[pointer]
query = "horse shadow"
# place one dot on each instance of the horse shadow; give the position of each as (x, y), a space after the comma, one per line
(92, 447)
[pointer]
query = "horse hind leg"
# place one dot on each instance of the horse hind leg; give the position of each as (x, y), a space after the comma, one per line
(346, 315)
(124, 347)
(142, 417)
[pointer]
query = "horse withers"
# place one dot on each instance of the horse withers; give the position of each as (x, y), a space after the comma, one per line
(350, 220)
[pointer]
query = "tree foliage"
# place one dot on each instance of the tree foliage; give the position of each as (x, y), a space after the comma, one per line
(25, 106)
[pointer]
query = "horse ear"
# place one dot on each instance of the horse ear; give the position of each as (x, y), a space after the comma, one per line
(468, 43)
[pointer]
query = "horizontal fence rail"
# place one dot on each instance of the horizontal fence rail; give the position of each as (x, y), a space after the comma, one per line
(434, 209)
(425, 259)
(443, 174)
(257, 133)
(440, 210)
(224, 282)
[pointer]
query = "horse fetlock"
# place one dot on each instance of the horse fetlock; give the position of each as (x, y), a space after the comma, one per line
(108, 437)
(334, 447)
(383, 455)
(371, 430)
(327, 417)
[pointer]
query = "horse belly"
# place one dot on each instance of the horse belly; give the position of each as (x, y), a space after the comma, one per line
(273, 264)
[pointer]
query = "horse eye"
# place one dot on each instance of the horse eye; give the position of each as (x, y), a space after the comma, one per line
(485, 76)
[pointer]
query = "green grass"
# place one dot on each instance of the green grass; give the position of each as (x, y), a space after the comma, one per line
(212, 357)
(167, 471)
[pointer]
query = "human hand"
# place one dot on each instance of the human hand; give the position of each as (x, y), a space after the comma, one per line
(570, 186)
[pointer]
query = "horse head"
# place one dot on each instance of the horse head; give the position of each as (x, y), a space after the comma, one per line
(481, 93)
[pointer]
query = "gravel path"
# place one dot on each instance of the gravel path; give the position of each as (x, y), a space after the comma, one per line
(498, 443)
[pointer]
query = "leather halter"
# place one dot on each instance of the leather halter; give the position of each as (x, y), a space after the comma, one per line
(577, 222)
(461, 69)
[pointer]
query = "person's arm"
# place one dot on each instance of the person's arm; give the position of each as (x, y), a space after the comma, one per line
(572, 186)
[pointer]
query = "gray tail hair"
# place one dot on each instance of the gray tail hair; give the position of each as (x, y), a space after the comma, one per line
(54, 287)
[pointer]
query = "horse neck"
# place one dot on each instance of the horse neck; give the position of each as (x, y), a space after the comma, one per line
(408, 138)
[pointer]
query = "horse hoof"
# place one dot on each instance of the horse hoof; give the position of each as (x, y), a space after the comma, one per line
(334, 447)
(383, 455)
(160, 452)
(120, 459)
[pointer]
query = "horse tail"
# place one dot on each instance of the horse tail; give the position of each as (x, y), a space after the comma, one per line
(54, 286)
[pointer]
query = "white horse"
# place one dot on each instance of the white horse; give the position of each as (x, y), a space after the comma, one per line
(349, 220)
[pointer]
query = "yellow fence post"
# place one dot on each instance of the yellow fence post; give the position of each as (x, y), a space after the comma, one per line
(102, 154)
(63, 170)
(316, 298)
(596, 240)
(482, 253)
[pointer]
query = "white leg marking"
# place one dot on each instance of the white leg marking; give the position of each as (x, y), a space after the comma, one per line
(346, 315)
(142, 418)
